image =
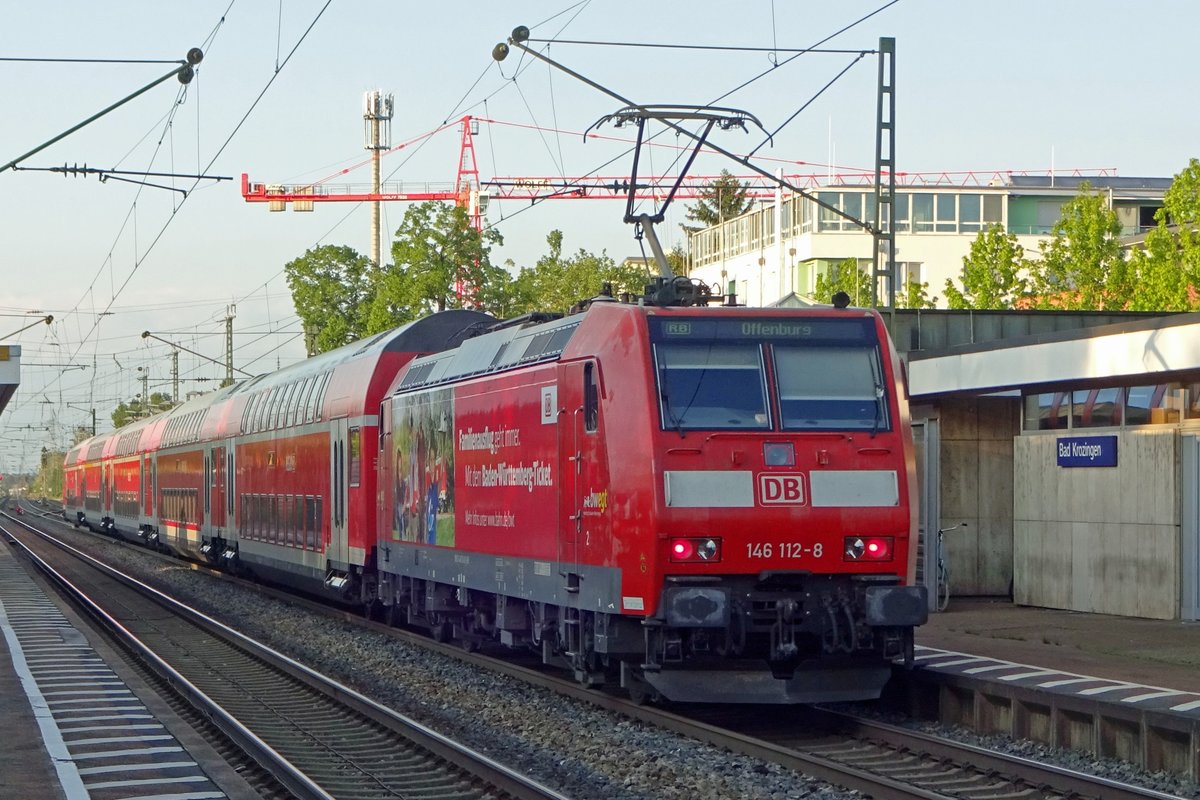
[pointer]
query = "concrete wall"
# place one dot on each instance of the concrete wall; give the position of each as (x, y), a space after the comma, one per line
(1102, 540)
(976, 487)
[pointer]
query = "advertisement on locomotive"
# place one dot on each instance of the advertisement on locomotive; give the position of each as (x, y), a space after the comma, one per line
(472, 466)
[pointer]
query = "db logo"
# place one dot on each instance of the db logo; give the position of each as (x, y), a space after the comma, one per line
(781, 489)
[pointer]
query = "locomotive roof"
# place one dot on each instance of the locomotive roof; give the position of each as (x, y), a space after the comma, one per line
(498, 350)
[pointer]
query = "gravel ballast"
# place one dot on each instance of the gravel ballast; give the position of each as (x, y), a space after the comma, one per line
(579, 750)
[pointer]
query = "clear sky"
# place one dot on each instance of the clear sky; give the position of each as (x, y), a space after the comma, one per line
(1022, 85)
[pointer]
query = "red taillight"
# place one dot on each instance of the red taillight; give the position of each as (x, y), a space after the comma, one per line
(868, 548)
(706, 549)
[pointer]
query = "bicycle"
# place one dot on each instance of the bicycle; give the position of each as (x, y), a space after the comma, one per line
(943, 569)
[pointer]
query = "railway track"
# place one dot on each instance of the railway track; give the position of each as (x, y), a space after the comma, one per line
(318, 738)
(875, 759)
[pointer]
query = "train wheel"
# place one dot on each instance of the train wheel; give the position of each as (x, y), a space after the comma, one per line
(440, 631)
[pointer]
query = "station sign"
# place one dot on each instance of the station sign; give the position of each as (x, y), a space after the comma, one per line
(1087, 451)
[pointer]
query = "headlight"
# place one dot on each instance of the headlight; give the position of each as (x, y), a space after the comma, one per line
(868, 548)
(695, 549)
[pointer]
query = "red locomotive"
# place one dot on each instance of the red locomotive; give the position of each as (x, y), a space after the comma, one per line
(707, 504)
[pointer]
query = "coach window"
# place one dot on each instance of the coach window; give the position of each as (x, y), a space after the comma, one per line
(285, 398)
(294, 416)
(591, 399)
(355, 437)
(259, 402)
(309, 405)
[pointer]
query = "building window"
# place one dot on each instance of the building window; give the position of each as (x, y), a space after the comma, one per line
(1097, 408)
(922, 213)
(902, 204)
(970, 213)
(1046, 411)
(945, 213)
(993, 209)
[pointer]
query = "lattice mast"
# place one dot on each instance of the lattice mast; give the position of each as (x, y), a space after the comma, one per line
(377, 124)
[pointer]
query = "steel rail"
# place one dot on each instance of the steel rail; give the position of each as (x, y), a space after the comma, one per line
(497, 777)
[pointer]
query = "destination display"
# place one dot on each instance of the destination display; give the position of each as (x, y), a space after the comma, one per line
(852, 331)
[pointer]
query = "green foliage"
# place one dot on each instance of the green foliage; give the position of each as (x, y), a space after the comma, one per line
(558, 282)
(1166, 273)
(439, 262)
(915, 295)
(48, 483)
(1082, 265)
(330, 287)
(991, 273)
(137, 408)
(1181, 202)
(725, 198)
(677, 259)
(847, 277)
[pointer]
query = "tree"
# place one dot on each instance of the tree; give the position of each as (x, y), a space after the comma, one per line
(725, 198)
(846, 276)
(49, 480)
(558, 282)
(1166, 273)
(331, 287)
(1083, 265)
(991, 273)
(915, 295)
(137, 408)
(1181, 202)
(439, 262)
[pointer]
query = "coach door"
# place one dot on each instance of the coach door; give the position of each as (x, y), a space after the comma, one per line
(336, 551)
(1190, 528)
(216, 507)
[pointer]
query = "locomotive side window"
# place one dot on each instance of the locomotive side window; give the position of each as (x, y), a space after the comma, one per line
(709, 385)
(830, 388)
(591, 399)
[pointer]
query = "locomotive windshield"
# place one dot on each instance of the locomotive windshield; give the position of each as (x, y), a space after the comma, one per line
(710, 385)
(825, 374)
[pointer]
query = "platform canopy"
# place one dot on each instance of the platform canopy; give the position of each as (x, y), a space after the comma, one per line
(1163, 349)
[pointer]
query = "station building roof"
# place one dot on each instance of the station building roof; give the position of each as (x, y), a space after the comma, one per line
(1159, 349)
(10, 372)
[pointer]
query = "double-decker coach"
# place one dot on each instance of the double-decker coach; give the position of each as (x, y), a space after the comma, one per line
(273, 476)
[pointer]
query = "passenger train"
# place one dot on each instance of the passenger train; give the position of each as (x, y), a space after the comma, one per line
(699, 503)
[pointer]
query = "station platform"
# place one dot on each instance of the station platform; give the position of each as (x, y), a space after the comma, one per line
(1119, 687)
(77, 723)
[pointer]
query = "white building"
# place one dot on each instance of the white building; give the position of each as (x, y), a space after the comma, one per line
(937, 219)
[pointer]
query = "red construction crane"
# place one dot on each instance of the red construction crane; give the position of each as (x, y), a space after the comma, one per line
(470, 192)
(473, 194)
